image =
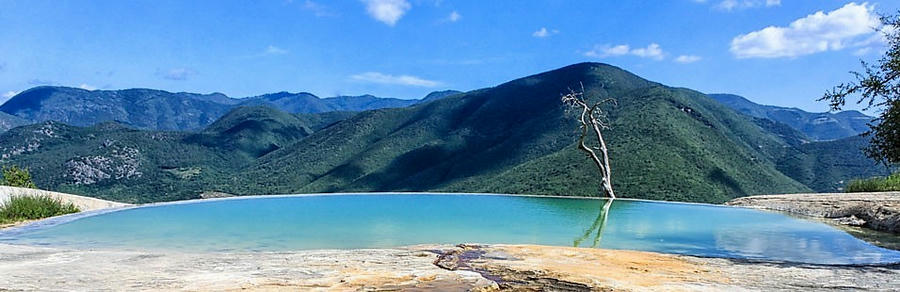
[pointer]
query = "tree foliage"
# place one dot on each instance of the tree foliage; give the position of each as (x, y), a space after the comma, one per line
(17, 177)
(878, 87)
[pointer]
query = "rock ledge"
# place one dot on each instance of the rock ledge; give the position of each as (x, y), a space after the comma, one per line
(876, 211)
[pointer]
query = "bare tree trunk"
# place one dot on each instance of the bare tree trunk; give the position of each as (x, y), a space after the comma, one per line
(591, 117)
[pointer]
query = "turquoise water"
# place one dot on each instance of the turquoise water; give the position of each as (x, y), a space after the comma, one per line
(378, 221)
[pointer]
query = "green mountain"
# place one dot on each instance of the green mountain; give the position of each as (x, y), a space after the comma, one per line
(256, 131)
(113, 161)
(162, 110)
(827, 166)
(818, 126)
(665, 143)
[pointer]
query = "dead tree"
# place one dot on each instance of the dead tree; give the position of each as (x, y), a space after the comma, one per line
(593, 120)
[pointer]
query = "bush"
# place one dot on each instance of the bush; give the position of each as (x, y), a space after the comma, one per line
(19, 208)
(875, 184)
(17, 177)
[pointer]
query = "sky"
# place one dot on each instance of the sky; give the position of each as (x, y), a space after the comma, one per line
(785, 53)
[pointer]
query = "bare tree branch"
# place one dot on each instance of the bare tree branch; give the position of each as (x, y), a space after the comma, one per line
(593, 117)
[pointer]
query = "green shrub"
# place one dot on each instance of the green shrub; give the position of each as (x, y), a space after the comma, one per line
(875, 184)
(17, 177)
(19, 208)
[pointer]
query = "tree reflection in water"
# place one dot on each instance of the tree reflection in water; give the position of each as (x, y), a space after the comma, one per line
(598, 225)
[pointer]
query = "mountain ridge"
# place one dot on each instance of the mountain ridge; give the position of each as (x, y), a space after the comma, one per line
(162, 110)
(818, 126)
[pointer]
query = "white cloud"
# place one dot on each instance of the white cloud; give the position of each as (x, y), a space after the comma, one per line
(544, 32)
(387, 11)
(652, 51)
(407, 80)
(177, 73)
(85, 86)
(454, 16)
(730, 5)
(687, 59)
(273, 50)
(815, 33)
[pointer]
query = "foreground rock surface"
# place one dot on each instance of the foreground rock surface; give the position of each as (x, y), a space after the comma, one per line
(877, 211)
(427, 267)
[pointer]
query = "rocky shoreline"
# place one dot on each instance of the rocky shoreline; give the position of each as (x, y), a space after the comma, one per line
(876, 211)
(425, 267)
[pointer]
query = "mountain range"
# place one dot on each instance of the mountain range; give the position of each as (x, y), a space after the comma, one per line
(665, 143)
(818, 126)
(161, 110)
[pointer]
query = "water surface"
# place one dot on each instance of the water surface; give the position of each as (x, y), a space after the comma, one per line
(379, 221)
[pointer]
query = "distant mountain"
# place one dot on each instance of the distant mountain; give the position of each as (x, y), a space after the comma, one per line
(665, 143)
(818, 126)
(8, 121)
(162, 110)
(142, 108)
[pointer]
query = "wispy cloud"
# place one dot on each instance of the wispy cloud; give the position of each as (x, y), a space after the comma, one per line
(454, 16)
(85, 86)
(652, 51)
(731, 5)
(268, 51)
(273, 50)
(853, 25)
(177, 74)
(387, 11)
(406, 80)
(318, 9)
(544, 32)
(687, 59)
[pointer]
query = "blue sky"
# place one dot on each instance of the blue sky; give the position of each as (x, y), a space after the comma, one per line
(774, 52)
